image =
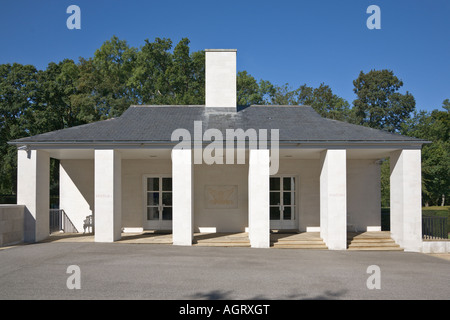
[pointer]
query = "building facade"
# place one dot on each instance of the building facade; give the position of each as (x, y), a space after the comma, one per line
(223, 168)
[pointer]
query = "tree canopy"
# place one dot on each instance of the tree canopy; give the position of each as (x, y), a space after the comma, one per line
(379, 104)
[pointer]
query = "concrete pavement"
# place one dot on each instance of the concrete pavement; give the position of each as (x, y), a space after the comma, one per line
(143, 271)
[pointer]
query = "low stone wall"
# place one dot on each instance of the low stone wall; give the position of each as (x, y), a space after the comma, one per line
(11, 224)
(436, 246)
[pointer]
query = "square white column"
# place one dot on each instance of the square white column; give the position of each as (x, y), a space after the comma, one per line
(182, 197)
(108, 195)
(33, 191)
(258, 198)
(406, 198)
(333, 199)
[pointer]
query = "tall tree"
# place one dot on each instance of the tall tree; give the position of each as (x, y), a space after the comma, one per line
(329, 105)
(54, 108)
(435, 127)
(185, 76)
(379, 104)
(250, 91)
(113, 64)
(321, 99)
(17, 95)
(163, 77)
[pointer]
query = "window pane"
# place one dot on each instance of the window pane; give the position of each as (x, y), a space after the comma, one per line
(274, 183)
(289, 183)
(167, 198)
(167, 184)
(167, 213)
(152, 213)
(274, 198)
(152, 198)
(274, 213)
(287, 198)
(287, 213)
(152, 184)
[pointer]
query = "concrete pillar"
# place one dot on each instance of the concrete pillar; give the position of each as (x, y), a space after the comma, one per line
(33, 191)
(406, 199)
(258, 198)
(333, 199)
(182, 197)
(108, 195)
(220, 78)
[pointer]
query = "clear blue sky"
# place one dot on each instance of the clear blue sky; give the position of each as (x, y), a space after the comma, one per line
(282, 41)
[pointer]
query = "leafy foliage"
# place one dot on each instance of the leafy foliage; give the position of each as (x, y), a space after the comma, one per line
(379, 105)
(435, 127)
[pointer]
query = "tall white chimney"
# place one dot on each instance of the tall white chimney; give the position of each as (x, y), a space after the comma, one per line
(220, 78)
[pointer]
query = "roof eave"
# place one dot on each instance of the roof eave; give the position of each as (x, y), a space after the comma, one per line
(298, 143)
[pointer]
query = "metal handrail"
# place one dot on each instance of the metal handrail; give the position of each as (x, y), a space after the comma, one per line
(434, 228)
(59, 221)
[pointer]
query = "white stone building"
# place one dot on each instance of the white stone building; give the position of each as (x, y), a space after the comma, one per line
(129, 175)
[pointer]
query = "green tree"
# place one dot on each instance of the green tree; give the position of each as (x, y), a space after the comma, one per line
(446, 105)
(379, 104)
(250, 91)
(435, 127)
(113, 65)
(186, 75)
(17, 95)
(321, 99)
(162, 77)
(328, 104)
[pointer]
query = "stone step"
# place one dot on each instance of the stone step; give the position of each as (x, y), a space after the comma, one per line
(372, 241)
(221, 241)
(222, 244)
(373, 244)
(300, 246)
(299, 242)
(364, 241)
(374, 248)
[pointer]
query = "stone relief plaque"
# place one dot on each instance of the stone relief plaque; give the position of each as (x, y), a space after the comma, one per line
(221, 197)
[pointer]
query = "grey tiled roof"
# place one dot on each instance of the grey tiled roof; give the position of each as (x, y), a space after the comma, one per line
(147, 124)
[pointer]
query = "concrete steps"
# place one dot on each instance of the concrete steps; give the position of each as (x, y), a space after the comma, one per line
(221, 240)
(221, 244)
(372, 241)
(306, 240)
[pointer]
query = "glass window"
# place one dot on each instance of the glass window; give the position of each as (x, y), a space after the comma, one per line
(288, 198)
(289, 183)
(152, 213)
(167, 198)
(274, 198)
(167, 213)
(167, 184)
(153, 198)
(287, 213)
(152, 184)
(274, 213)
(275, 183)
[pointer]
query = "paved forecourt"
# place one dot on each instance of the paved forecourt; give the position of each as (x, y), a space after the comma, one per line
(146, 271)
